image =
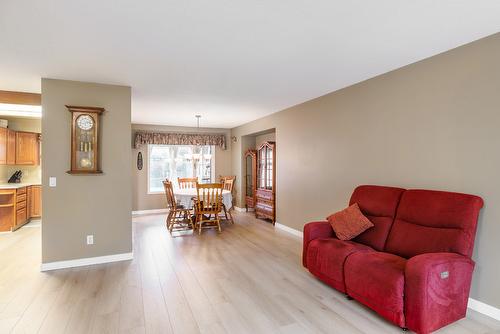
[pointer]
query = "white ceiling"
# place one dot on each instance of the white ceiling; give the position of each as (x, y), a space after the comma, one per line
(231, 61)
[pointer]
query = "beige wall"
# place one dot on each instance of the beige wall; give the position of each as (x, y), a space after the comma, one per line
(30, 173)
(141, 200)
(434, 124)
(82, 205)
(271, 136)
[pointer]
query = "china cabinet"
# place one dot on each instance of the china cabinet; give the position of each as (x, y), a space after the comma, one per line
(265, 204)
(250, 178)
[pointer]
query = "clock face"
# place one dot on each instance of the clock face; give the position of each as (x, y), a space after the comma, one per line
(85, 122)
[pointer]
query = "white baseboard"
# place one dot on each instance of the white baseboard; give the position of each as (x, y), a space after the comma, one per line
(86, 261)
(290, 230)
(149, 212)
(483, 308)
(237, 208)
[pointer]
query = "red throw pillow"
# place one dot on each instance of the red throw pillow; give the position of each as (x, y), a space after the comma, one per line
(349, 223)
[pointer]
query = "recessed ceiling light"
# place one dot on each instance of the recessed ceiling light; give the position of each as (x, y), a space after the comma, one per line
(20, 110)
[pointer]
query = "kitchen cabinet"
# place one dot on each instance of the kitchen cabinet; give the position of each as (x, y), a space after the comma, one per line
(27, 148)
(36, 202)
(3, 146)
(29, 194)
(7, 209)
(21, 211)
(11, 147)
(19, 147)
(19, 205)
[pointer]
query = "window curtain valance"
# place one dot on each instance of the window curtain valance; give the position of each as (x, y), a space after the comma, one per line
(165, 138)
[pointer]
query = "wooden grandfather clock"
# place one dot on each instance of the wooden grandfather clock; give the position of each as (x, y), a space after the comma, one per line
(85, 140)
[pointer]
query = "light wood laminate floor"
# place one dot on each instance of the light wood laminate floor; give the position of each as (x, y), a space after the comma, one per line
(249, 279)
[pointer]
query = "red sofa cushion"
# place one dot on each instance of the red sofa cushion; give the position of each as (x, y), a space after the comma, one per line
(349, 223)
(379, 205)
(326, 258)
(377, 280)
(430, 221)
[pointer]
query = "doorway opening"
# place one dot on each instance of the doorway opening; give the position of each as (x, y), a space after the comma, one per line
(20, 163)
(259, 170)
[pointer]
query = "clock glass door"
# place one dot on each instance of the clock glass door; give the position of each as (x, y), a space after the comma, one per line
(85, 132)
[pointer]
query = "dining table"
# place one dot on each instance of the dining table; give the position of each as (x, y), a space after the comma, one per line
(185, 196)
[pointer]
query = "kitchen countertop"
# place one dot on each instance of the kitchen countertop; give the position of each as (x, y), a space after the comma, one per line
(18, 185)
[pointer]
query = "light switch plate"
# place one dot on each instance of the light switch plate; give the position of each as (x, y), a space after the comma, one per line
(52, 181)
(90, 239)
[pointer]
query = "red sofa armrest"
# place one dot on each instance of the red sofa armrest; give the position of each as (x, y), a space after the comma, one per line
(437, 289)
(315, 230)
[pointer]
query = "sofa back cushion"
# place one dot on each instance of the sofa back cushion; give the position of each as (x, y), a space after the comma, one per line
(378, 204)
(430, 221)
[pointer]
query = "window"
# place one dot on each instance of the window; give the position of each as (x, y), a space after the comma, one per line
(173, 161)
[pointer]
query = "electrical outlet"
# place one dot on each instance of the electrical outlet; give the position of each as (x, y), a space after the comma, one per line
(90, 239)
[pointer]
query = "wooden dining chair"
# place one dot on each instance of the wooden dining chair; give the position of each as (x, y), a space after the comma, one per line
(208, 203)
(228, 184)
(179, 217)
(187, 182)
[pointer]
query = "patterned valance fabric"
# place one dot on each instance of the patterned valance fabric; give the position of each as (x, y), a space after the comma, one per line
(165, 138)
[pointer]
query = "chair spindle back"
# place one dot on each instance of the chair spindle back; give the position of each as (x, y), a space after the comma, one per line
(209, 198)
(169, 192)
(228, 182)
(187, 182)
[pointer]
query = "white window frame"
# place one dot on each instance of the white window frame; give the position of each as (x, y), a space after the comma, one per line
(150, 146)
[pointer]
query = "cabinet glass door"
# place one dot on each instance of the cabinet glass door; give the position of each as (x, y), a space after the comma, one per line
(262, 168)
(269, 168)
(249, 176)
(265, 168)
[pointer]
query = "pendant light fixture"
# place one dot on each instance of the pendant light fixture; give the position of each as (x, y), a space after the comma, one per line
(195, 156)
(198, 121)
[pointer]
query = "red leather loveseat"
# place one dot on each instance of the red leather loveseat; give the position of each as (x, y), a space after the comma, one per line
(413, 267)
